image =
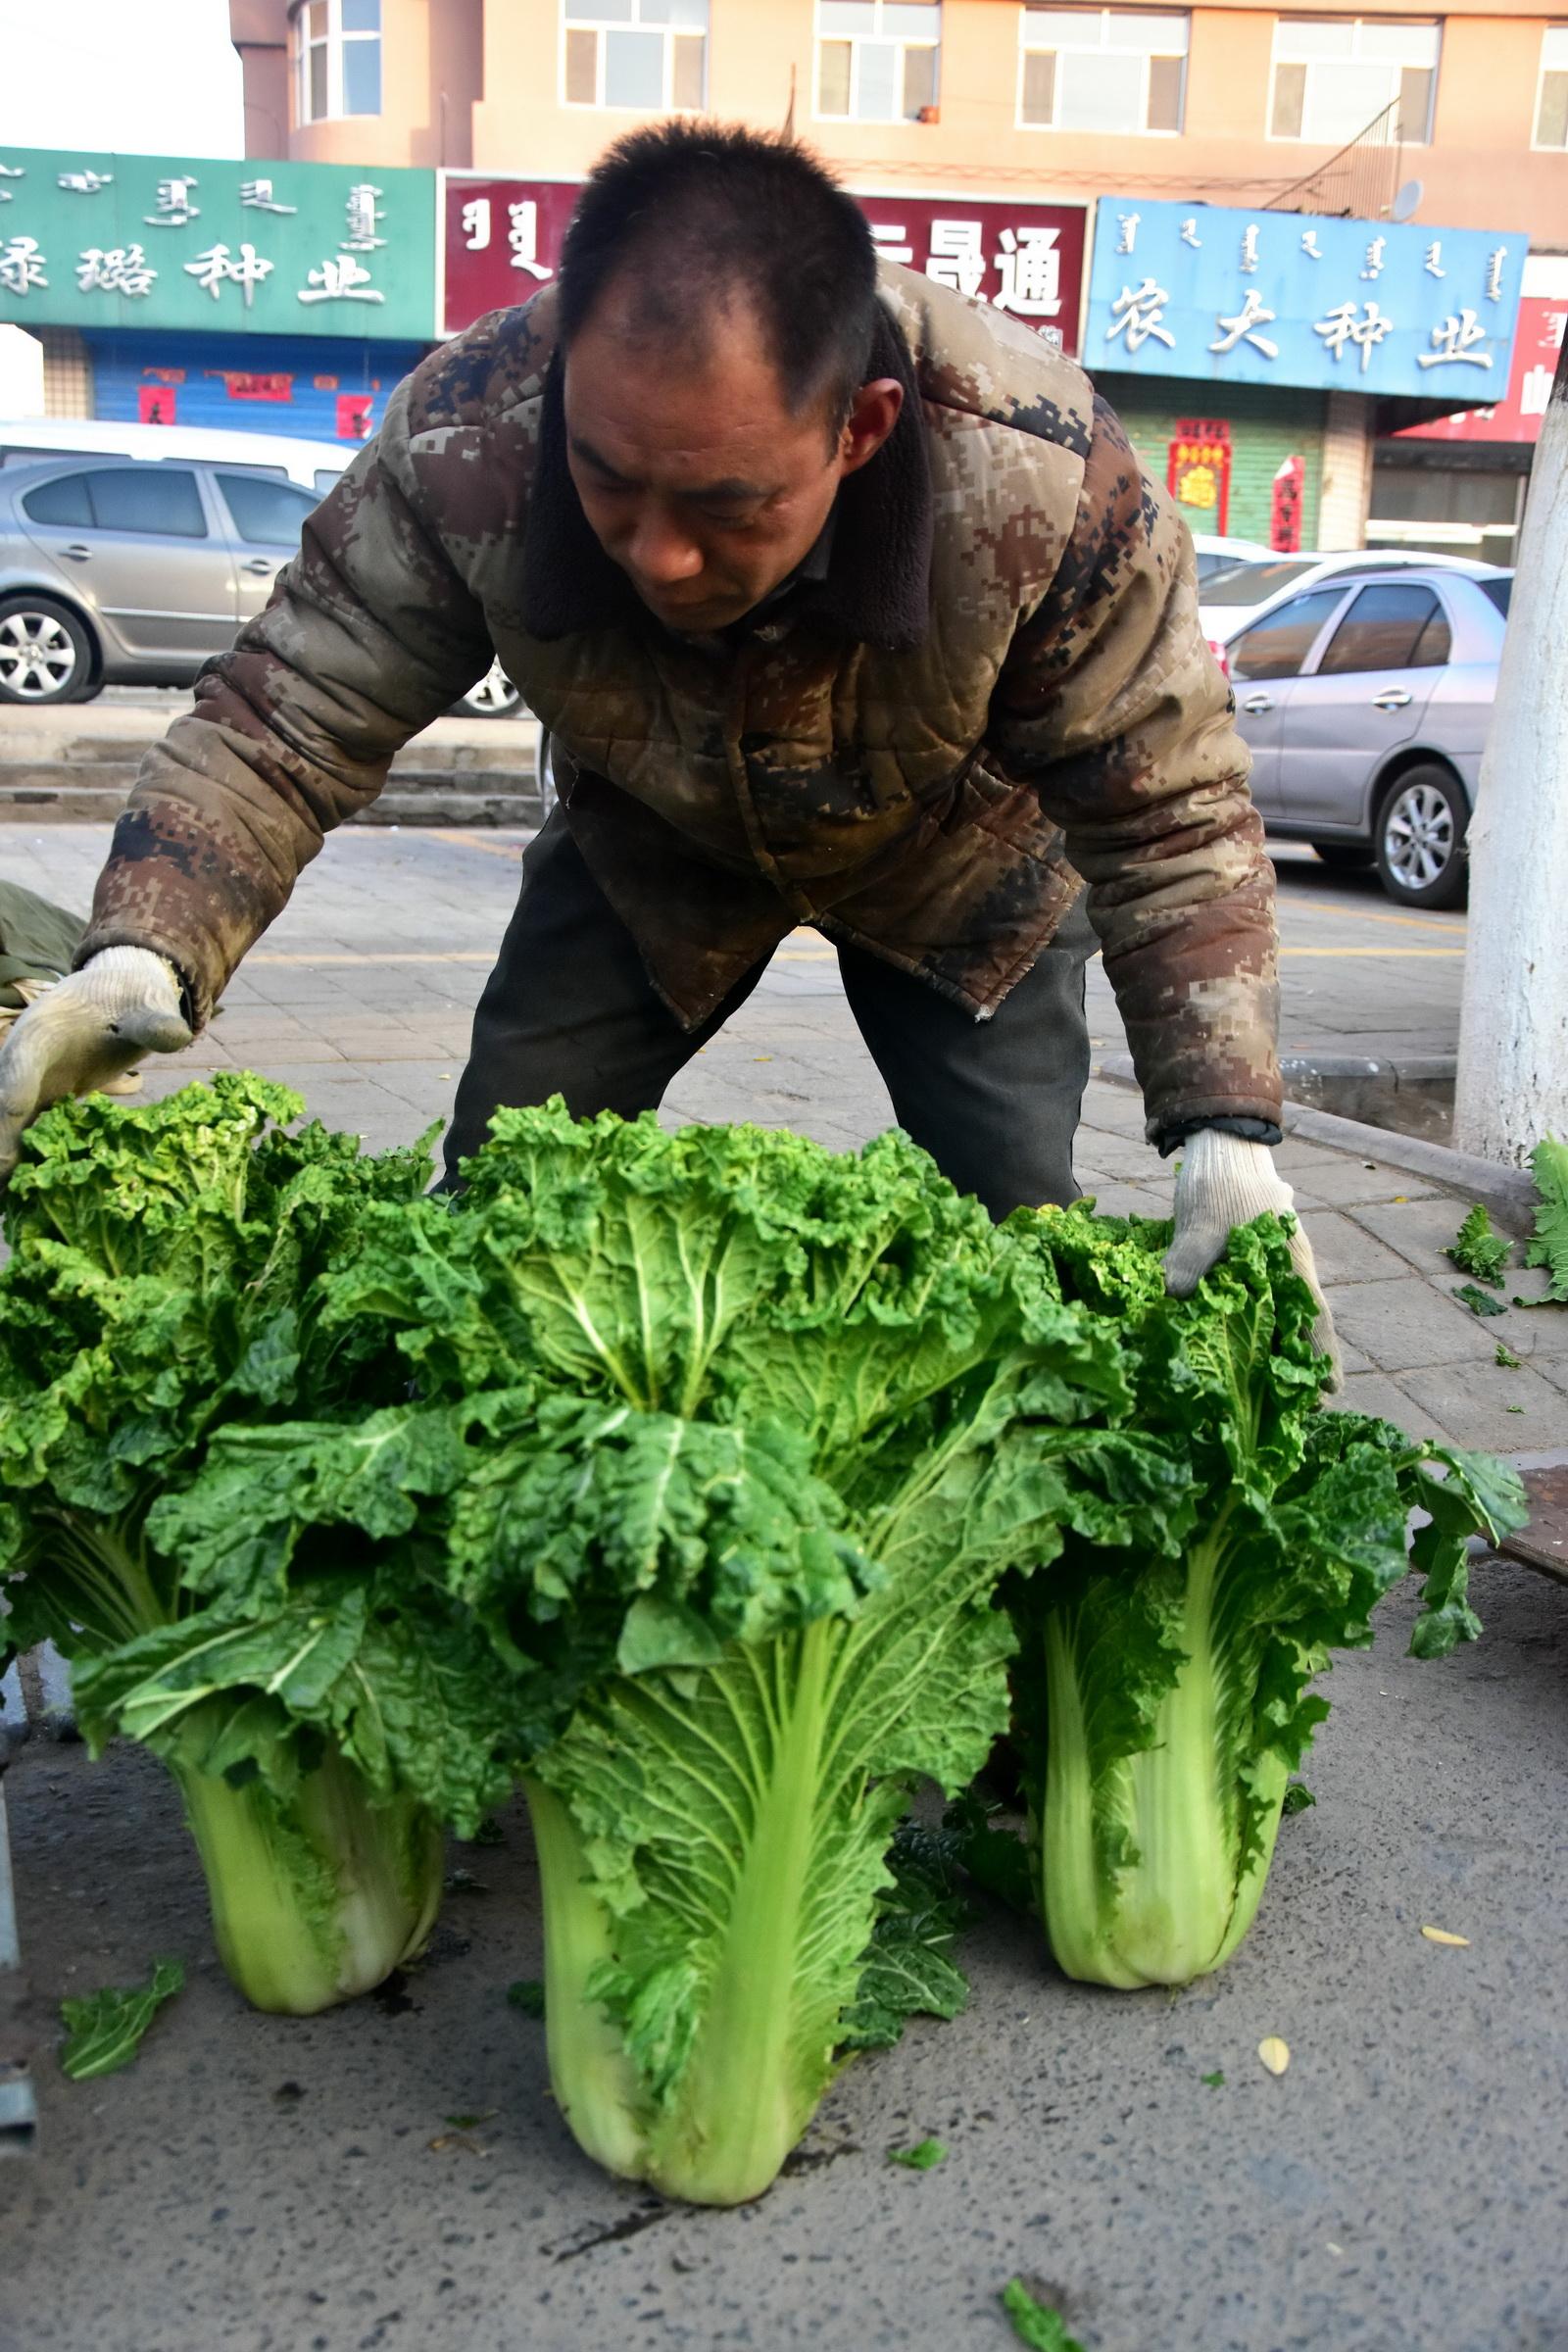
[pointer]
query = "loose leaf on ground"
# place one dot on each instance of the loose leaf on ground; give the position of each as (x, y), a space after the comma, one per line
(1297, 1797)
(1480, 1302)
(923, 2157)
(1035, 2324)
(105, 2028)
(1275, 2053)
(1506, 1357)
(1549, 1165)
(528, 1995)
(1441, 1936)
(1215, 2080)
(1477, 1250)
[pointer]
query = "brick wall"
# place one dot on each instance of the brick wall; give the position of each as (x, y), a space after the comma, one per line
(1266, 428)
(66, 373)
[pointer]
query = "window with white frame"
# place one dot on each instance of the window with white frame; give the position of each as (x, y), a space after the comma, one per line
(876, 59)
(337, 58)
(646, 54)
(1334, 75)
(1551, 102)
(1101, 69)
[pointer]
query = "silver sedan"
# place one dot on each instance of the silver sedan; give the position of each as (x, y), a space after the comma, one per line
(1366, 701)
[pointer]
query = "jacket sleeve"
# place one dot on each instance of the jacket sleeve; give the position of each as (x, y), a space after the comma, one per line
(369, 635)
(1110, 703)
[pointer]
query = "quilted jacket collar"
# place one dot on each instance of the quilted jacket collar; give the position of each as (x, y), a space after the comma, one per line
(877, 589)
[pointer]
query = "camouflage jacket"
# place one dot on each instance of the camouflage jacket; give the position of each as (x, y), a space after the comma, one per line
(1003, 671)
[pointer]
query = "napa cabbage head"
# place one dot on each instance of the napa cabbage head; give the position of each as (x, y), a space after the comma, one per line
(1167, 1687)
(164, 1286)
(725, 1441)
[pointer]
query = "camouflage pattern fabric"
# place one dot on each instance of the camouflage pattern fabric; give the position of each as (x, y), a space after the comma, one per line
(1002, 686)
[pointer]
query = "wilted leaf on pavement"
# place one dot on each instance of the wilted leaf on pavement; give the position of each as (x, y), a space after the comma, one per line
(105, 2028)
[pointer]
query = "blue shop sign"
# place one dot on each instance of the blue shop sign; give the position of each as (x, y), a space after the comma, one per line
(1290, 298)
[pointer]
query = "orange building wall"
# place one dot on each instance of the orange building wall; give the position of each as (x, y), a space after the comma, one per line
(498, 61)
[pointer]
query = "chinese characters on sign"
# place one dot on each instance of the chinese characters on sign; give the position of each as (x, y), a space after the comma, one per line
(1197, 471)
(1016, 269)
(217, 267)
(1267, 297)
(503, 237)
(1521, 403)
(101, 240)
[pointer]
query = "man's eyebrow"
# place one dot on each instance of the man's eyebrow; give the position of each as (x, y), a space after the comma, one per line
(590, 456)
(731, 491)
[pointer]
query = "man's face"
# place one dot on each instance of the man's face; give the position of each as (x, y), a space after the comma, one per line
(695, 477)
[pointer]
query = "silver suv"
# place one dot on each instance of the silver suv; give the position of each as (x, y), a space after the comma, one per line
(122, 572)
(1367, 702)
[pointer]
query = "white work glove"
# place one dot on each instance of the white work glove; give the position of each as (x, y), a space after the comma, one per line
(1224, 1181)
(85, 1031)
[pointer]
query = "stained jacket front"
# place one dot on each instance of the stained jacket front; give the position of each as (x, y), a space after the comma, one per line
(1000, 685)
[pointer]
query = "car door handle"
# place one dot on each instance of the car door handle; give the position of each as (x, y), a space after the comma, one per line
(78, 554)
(1256, 703)
(1392, 698)
(258, 564)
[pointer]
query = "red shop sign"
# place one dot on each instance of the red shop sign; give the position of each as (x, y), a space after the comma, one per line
(501, 239)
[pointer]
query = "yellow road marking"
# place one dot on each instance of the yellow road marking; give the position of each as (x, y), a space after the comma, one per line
(389, 955)
(373, 956)
(1366, 915)
(477, 841)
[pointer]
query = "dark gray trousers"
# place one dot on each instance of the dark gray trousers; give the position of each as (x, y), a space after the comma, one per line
(569, 1010)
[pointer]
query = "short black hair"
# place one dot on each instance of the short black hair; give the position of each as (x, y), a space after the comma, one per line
(700, 214)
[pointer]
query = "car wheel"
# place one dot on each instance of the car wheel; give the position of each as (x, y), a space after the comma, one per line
(1342, 857)
(494, 696)
(46, 656)
(1421, 857)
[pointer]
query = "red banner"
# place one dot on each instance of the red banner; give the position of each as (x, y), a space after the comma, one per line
(1198, 472)
(501, 239)
(1535, 345)
(244, 386)
(157, 404)
(1285, 508)
(356, 420)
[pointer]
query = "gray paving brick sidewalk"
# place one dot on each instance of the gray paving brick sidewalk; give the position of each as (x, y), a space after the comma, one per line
(361, 994)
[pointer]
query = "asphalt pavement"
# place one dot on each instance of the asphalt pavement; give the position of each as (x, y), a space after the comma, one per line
(259, 2185)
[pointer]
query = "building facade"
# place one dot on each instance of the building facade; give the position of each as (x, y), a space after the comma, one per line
(1012, 150)
(1458, 120)
(1239, 104)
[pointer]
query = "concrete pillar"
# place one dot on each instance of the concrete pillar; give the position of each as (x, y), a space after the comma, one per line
(1513, 1029)
(1345, 499)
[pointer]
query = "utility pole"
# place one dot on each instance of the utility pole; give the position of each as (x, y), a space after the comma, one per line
(1513, 1029)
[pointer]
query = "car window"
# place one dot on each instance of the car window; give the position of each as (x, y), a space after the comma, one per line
(1277, 647)
(64, 501)
(160, 501)
(1254, 583)
(267, 513)
(1211, 562)
(1399, 624)
(1499, 593)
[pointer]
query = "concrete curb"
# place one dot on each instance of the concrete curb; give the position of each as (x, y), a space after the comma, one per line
(1509, 1194)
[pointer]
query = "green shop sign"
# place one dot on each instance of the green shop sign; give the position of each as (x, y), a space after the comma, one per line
(181, 243)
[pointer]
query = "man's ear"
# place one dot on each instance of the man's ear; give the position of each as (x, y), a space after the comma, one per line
(871, 419)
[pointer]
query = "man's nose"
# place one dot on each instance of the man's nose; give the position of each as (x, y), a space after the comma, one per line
(662, 553)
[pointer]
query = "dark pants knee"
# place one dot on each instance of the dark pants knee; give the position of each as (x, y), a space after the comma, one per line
(995, 1102)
